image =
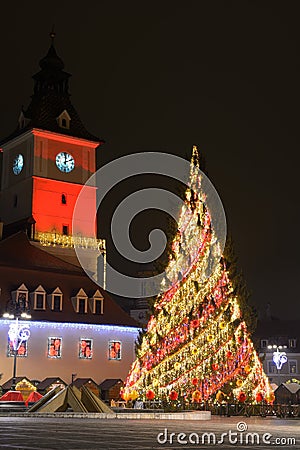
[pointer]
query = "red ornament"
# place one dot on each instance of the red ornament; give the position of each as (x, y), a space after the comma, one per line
(173, 395)
(242, 397)
(150, 395)
(195, 381)
(215, 366)
(195, 323)
(259, 397)
(229, 354)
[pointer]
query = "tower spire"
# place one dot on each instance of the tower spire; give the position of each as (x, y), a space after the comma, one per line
(52, 35)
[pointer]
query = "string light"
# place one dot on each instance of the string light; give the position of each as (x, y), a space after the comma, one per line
(77, 326)
(197, 331)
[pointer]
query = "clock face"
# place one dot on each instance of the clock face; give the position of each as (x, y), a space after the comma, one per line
(18, 164)
(65, 162)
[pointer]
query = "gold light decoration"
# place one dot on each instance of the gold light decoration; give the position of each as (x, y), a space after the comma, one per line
(197, 331)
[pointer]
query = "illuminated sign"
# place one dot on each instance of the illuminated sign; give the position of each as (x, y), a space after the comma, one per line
(17, 336)
(279, 358)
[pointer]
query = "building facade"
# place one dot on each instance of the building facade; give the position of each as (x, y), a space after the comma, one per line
(75, 326)
(278, 343)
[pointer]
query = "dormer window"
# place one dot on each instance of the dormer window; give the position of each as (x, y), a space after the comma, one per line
(64, 119)
(55, 300)
(292, 343)
(20, 299)
(96, 303)
(38, 298)
(80, 302)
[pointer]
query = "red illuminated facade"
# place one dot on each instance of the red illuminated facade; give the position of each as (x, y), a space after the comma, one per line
(47, 159)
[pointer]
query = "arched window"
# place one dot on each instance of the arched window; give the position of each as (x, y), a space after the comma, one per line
(63, 199)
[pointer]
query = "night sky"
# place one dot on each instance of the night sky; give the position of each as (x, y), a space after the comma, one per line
(162, 76)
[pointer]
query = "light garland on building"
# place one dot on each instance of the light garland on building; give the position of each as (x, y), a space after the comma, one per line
(75, 326)
(53, 239)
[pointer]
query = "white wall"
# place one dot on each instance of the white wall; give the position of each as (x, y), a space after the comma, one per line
(38, 366)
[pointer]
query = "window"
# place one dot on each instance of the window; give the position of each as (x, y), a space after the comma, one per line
(293, 367)
(54, 347)
(81, 305)
(114, 350)
(63, 199)
(65, 230)
(271, 367)
(64, 119)
(56, 303)
(96, 303)
(85, 348)
(55, 300)
(21, 350)
(292, 343)
(20, 299)
(98, 306)
(38, 298)
(39, 301)
(80, 302)
(264, 343)
(15, 201)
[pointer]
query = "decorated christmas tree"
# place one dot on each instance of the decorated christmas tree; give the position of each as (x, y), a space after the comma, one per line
(197, 345)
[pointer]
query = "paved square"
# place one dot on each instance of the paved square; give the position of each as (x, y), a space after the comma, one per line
(73, 433)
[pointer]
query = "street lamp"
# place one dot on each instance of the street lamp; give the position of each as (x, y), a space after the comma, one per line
(18, 333)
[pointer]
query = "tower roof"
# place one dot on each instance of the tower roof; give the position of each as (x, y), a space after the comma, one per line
(50, 99)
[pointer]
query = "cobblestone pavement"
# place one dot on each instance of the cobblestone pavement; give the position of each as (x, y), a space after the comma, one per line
(71, 433)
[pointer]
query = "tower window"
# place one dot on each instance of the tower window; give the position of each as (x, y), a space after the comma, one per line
(15, 201)
(64, 119)
(63, 199)
(65, 230)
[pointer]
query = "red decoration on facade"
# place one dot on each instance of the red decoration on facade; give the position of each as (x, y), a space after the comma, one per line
(114, 350)
(54, 347)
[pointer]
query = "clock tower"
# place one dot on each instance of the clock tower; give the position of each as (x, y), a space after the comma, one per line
(46, 161)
